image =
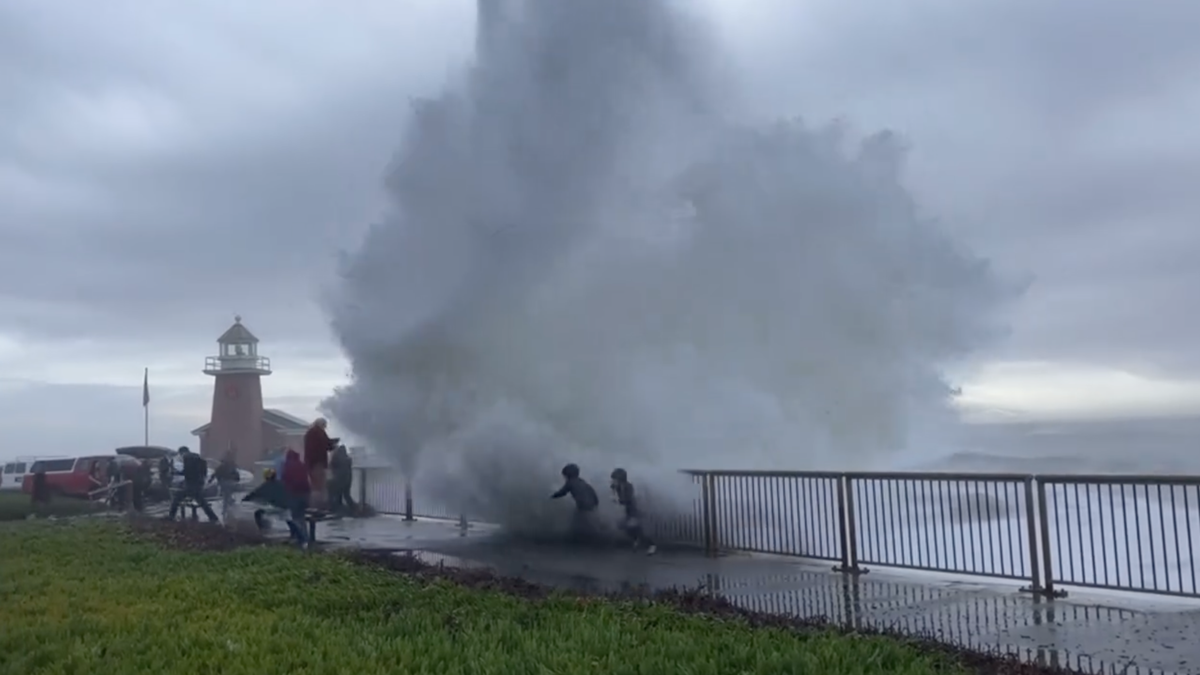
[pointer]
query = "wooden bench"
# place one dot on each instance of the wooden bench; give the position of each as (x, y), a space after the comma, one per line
(311, 518)
(314, 516)
(189, 503)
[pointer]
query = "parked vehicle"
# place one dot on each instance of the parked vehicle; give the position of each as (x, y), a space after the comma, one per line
(150, 452)
(156, 452)
(13, 472)
(75, 477)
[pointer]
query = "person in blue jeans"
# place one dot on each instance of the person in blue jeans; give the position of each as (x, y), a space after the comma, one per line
(299, 490)
(272, 493)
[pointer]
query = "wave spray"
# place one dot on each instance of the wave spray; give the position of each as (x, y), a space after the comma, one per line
(588, 258)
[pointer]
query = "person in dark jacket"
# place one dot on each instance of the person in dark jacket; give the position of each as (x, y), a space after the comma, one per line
(341, 477)
(299, 491)
(270, 493)
(40, 494)
(164, 473)
(631, 521)
(585, 498)
(195, 471)
(142, 480)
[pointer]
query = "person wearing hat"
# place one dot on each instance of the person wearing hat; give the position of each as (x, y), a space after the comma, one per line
(270, 493)
(585, 498)
(631, 523)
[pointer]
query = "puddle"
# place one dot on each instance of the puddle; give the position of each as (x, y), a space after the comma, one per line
(441, 559)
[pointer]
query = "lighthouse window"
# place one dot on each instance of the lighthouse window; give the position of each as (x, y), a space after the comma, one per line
(237, 349)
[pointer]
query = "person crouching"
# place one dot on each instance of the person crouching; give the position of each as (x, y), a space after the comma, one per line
(269, 493)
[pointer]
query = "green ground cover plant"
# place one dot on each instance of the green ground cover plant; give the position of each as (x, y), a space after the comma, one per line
(16, 505)
(94, 596)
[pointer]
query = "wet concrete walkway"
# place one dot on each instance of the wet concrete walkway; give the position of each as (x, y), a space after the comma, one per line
(1100, 634)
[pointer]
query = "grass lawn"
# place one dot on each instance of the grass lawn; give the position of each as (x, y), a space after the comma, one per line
(88, 596)
(15, 505)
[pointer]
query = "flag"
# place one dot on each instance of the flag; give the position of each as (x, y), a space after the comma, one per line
(146, 388)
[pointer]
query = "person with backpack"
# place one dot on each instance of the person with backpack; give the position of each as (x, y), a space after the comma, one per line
(586, 502)
(195, 471)
(227, 478)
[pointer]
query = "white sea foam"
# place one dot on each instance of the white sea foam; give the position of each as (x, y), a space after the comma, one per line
(589, 258)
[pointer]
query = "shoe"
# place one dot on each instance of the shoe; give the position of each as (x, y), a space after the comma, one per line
(652, 550)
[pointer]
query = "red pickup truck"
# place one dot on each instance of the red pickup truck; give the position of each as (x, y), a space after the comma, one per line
(76, 476)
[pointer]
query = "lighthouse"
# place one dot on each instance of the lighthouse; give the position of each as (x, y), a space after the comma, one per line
(237, 403)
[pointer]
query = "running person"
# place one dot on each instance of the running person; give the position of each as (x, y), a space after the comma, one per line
(631, 522)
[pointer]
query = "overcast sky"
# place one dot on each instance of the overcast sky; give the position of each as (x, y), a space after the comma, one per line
(164, 166)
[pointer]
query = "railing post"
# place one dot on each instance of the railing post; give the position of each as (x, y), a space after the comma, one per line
(848, 526)
(1031, 514)
(408, 506)
(709, 514)
(362, 486)
(1047, 560)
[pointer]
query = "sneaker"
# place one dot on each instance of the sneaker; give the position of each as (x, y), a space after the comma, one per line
(652, 550)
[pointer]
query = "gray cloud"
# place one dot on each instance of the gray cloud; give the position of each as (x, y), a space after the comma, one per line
(1057, 138)
(163, 166)
(160, 166)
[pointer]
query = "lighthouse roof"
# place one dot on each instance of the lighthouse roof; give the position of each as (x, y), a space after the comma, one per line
(237, 333)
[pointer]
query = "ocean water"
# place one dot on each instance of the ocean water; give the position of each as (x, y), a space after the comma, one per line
(1128, 446)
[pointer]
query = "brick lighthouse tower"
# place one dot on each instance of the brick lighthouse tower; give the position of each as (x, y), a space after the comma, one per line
(237, 408)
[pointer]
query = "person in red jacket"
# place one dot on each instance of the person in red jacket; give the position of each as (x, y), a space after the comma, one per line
(299, 490)
(317, 446)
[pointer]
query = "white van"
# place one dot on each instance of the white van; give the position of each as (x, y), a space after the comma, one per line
(15, 470)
